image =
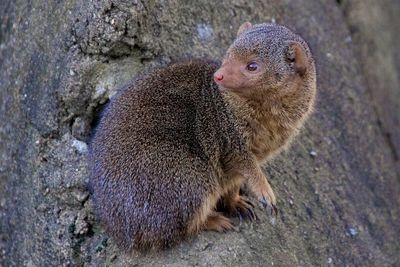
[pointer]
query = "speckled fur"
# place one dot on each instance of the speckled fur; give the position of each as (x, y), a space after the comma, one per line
(159, 152)
(171, 144)
(283, 100)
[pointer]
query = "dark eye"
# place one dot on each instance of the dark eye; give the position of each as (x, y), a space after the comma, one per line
(252, 66)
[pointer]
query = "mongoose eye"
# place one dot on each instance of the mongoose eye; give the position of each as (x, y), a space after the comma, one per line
(252, 66)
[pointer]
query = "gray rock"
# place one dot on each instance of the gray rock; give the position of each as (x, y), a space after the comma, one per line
(60, 61)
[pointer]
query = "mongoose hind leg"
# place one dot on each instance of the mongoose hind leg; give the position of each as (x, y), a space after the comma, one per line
(218, 222)
(237, 205)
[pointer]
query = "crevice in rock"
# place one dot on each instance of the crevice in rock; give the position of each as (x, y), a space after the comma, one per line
(355, 33)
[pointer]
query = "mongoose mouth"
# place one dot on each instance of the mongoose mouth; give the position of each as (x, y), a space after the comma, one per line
(220, 85)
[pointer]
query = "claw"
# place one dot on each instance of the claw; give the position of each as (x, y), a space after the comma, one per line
(264, 202)
(250, 214)
(249, 202)
(274, 210)
(253, 215)
(240, 217)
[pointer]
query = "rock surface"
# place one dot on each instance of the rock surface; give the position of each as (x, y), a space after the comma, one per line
(338, 185)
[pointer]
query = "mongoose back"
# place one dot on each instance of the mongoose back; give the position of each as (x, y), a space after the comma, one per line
(180, 139)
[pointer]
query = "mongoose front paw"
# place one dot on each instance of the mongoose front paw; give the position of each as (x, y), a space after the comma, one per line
(268, 200)
(242, 208)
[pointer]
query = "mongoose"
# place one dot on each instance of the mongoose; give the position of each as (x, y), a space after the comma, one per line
(179, 139)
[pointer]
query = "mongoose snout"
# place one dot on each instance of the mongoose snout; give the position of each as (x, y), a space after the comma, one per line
(218, 77)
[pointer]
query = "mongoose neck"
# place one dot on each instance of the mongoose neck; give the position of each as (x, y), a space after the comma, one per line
(270, 123)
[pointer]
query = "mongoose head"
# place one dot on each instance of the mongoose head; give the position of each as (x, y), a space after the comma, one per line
(265, 61)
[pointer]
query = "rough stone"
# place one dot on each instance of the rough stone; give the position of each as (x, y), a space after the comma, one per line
(61, 61)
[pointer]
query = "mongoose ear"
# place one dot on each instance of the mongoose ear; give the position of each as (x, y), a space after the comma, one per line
(296, 57)
(245, 26)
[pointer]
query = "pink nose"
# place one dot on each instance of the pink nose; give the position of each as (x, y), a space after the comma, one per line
(218, 77)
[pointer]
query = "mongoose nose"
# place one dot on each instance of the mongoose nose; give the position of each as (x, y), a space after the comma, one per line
(218, 77)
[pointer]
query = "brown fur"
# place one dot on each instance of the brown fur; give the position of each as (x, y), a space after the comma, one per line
(172, 144)
(272, 102)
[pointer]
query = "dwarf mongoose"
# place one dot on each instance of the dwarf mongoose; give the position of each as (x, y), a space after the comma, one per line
(179, 139)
